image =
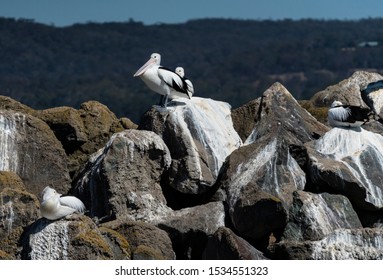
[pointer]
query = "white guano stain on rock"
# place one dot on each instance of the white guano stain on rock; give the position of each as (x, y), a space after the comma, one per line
(347, 244)
(350, 147)
(9, 136)
(135, 144)
(207, 123)
(322, 217)
(51, 242)
(265, 164)
(7, 215)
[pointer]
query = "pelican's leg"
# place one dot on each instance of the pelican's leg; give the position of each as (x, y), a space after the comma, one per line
(161, 103)
(166, 101)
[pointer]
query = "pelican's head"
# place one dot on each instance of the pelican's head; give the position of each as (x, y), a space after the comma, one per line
(180, 71)
(49, 193)
(155, 59)
(336, 103)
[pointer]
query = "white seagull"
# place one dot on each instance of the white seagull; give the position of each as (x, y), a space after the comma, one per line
(180, 71)
(162, 80)
(340, 115)
(54, 206)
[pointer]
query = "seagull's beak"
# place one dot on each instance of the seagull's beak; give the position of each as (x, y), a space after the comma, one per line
(144, 67)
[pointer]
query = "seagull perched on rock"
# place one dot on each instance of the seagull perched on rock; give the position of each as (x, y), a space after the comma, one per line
(340, 115)
(55, 206)
(162, 80)
(180, 71)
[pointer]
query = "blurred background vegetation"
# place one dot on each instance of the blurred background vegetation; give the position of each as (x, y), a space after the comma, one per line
(235, 61)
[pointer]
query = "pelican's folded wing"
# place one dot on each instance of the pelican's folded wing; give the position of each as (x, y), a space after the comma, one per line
(172, 79)
(72, 202)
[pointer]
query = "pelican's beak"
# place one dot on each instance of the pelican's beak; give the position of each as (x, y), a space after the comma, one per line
(149, 63)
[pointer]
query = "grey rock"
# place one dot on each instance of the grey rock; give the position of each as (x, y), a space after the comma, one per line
(67, 125)
(100, 124)
(349, 162)
(189, 228)
(266, 170)
(29, 148)
(122, 180)
(120, 247)
(200, 135)
(83, 132)
(226, 245)
(74, 238)
(277, 110)
(256, 214)
(18, 208)
(342, 244)
(346, 91)
(314, 216)
(145, 241)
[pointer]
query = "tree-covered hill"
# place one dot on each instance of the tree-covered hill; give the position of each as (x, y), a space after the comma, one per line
(231, 60)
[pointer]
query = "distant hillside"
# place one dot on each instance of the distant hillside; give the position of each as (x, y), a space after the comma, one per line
(231, 60)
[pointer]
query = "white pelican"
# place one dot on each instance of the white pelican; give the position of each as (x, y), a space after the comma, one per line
(54, 206)
(340, 115)
(162, 80)
(180, 71)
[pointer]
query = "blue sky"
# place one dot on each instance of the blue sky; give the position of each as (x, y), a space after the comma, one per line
(67, 12)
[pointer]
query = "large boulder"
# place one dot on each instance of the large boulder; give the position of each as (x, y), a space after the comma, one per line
(314, 216)
(146, 241)
(83, 132)
(100, 124)
(342, 244)
(67, 125)
(277, 110)
(349, 162)
(18, 209)
(29, 148)
(189, 228)
(346, 91)
(226, 245)
(73, 238)
(122, 180)
(7, 103)
(258, 189)
(200, 135)
(267, 169)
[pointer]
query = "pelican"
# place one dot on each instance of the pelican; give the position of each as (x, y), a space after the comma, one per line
(162, 80)
(340, 115)
(54, 206)
(181, 72)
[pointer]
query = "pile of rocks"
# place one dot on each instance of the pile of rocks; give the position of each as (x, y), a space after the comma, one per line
(194, 181)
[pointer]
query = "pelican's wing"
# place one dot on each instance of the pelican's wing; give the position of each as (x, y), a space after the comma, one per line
(339, 113)
(190, 87)
(172, 79)
(72, 202)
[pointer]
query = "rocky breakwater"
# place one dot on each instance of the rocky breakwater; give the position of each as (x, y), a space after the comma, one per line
(129, 178)
(194, 181)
